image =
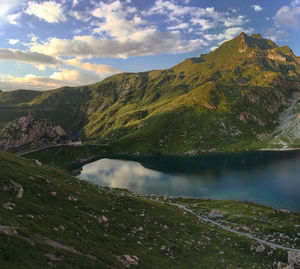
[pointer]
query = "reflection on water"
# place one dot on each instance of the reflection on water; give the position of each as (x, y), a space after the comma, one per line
(272, 181)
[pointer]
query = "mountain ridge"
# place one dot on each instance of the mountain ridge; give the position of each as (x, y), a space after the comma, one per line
(226, 100)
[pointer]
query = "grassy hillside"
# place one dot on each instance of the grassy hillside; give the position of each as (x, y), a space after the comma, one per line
(227, 100)
(50, 219)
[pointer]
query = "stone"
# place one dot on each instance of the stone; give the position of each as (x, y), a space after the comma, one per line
(260, 248)
(294, 259)
(53, 193)
(38, 163)
(27, 130)
(163, 248)
(71, 198)
(128, 260)
(53, 257)
(245, 228)
(103, 219)
(9, 206)
(215, 213)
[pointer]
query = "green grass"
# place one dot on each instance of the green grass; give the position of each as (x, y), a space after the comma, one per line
(136, 226)
(136, 111)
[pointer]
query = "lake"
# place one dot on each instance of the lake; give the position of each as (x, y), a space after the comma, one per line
(267, 177)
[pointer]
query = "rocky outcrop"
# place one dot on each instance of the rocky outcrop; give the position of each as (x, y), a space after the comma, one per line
(26, 130)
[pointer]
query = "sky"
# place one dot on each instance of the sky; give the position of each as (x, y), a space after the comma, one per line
(50, 44)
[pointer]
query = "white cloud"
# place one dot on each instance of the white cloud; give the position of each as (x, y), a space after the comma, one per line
(119, 21)
(235, 21)
(274, 34)
(75, 3)
(100, 69)
(257, 8)
(226, 35)
(14, 18)
(205, 24)
(8, 11)
(148, 42)
(288, 16)
(180, 26)
(81, 16)
(63, 77)
(51, 12)
(27, 57)
(13, 41)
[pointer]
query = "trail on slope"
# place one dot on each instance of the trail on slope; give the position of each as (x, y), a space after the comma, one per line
(270, 244)
(207, 220)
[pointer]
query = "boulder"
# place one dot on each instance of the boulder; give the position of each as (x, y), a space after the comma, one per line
(294, 259)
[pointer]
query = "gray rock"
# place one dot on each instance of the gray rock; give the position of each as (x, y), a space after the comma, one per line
(215, 213)
(294, 259)
(260, 248)
(9, 206)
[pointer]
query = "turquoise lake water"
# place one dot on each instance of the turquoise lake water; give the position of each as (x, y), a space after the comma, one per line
(270, 178)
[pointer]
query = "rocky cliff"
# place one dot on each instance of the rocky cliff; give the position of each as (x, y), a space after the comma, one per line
(26, 130)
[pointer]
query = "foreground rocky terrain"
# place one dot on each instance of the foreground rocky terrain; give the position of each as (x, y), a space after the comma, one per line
(234, 98)
(51, 219)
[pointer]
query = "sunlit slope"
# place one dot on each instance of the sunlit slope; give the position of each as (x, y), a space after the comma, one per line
(226, 100)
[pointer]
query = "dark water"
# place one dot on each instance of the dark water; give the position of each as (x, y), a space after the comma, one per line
(269, 178)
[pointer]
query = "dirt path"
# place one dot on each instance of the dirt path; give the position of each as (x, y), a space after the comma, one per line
(207, 220)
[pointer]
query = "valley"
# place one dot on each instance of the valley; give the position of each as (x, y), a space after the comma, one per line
(202, 125)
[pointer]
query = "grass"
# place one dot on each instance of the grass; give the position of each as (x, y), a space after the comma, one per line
(159, 234)
(206, 97)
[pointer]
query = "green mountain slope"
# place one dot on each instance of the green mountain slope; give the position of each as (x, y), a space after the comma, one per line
(226, 100)
(50, 219)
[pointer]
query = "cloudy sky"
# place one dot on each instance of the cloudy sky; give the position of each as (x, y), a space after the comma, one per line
(49, 44)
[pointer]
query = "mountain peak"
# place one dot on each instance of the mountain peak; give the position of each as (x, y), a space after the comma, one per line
(242, 35)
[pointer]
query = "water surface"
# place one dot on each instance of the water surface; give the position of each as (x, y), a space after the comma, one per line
(269, 178)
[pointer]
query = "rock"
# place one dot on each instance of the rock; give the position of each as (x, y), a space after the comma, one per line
(134, 260)
(103, 219)
(53, 193)
(9, 206)
(128, 260)
(26, 130)
(215, 213)
(20, 193)
(260, 248)
(282, 265)
(245, 228)
(166, 197)
(53, 257)
(38, 163)
(71, 198)
(294, 259)
(8, 230)
(5, 188)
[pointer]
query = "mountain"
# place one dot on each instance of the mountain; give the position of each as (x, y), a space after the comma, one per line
(27, 130)
(51, 219)
(230, 99)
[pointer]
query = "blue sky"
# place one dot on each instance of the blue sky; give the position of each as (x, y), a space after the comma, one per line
(49, 44)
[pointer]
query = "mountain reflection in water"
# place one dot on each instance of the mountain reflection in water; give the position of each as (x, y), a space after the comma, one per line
(270, 178)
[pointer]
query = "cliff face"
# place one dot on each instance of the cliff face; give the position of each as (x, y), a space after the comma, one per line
(26, 130)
